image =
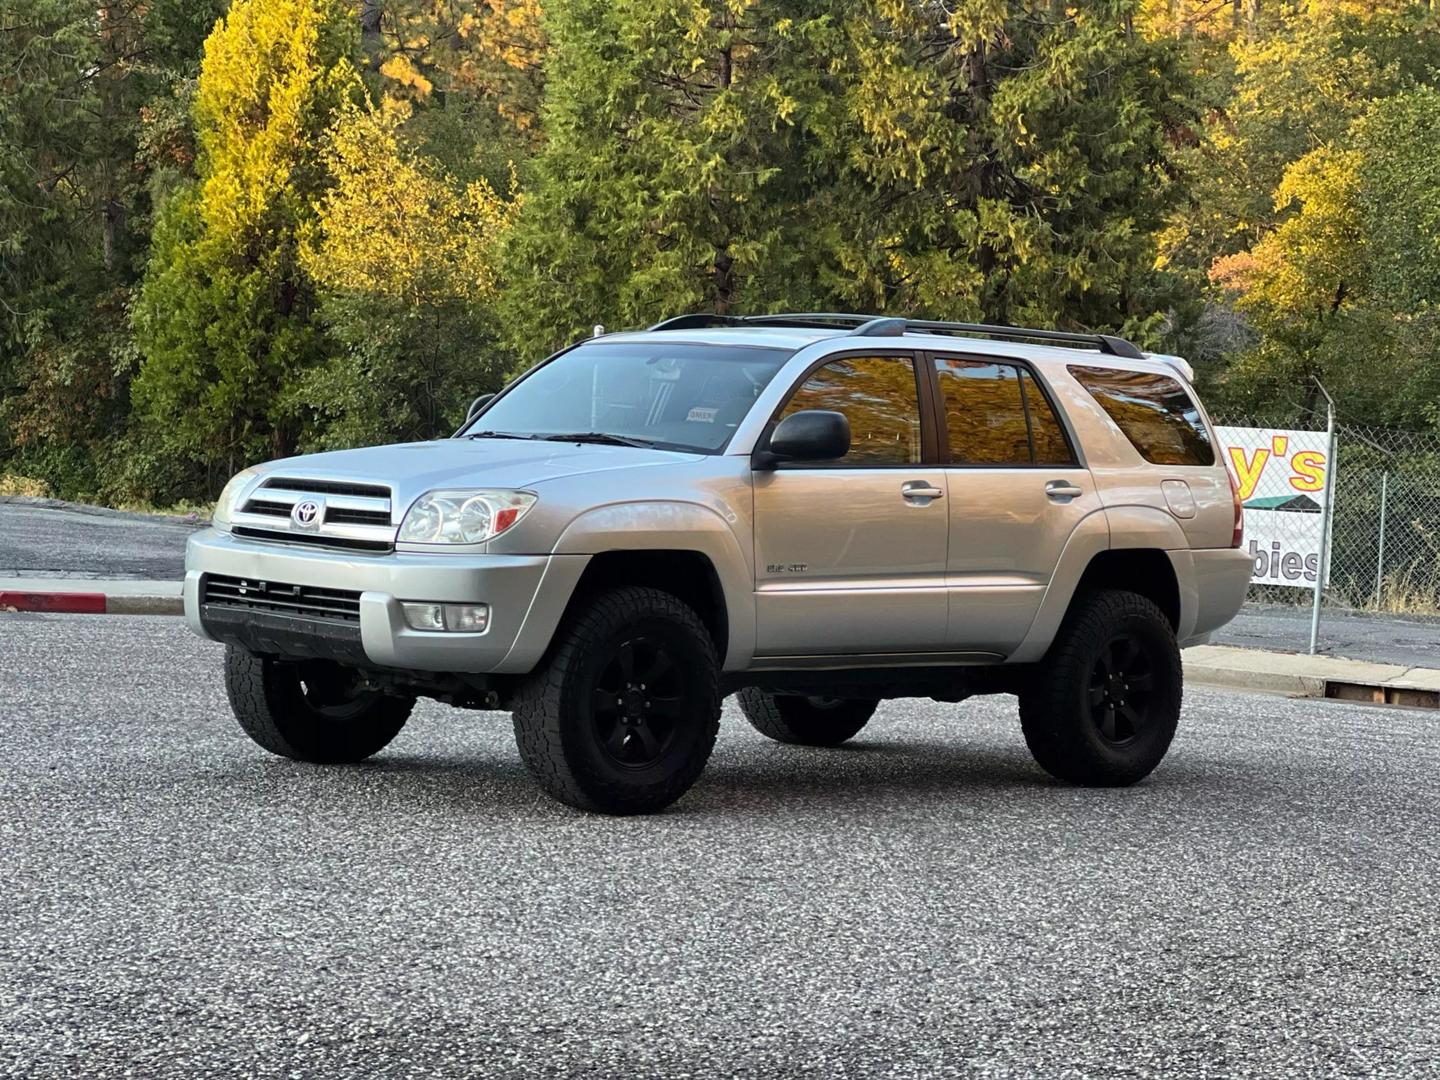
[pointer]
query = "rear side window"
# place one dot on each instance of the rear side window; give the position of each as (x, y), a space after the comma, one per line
(1154, 411)
(878, 396)
(996, 415)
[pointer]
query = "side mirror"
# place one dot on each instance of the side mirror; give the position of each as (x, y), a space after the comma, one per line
(476, 405)
(809, 435)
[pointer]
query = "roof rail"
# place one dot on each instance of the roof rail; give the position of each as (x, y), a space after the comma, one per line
(884, 326)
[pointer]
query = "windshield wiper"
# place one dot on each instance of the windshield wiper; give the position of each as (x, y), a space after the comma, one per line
(498, 435)
(600, 437)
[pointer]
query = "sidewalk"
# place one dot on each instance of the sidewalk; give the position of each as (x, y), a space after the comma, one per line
(1300, 675)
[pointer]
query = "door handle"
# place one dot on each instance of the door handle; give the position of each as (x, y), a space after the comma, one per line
(1063, 489)
(920, 489)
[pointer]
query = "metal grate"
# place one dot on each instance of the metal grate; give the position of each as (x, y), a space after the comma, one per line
(281, 598)
(343, 514)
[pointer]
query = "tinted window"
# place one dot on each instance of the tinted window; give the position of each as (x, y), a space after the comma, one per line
(984, 412)
(995, 414)
(1154, 412)
(1046, 434)
(878, 396)
(682, 396)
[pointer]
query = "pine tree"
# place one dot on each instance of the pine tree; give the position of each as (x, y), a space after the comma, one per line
(1006, 161)
(75, 81)
(994, 159)
(675, 174)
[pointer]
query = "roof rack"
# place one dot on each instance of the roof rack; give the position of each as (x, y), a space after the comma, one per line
(882, 326)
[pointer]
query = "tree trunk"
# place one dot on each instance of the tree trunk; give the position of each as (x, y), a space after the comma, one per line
(371, 11)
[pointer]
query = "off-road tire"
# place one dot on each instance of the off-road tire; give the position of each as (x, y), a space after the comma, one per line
(575, 743)
(290, 716)
(1066, 703)
(805, 721)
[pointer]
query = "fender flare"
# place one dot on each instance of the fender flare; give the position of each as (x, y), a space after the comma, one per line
(670, 525)
(1143, 527)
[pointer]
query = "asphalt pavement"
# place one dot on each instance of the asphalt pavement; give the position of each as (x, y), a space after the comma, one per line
(175, 902)
(89, 542)
(1384, 639)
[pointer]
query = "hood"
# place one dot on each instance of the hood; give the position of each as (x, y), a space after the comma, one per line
(411, 469)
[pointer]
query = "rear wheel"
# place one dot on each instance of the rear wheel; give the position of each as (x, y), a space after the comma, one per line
(805, 721)
(310, 710)
(1103, 706)
(623, 714)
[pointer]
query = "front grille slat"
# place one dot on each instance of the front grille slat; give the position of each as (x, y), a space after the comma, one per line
(314, 540)
(282, 598)
(327, 487)
(274, 509)
(341, 515)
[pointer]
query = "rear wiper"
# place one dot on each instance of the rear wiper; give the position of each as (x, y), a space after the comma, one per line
(498, 435)
(600, 437)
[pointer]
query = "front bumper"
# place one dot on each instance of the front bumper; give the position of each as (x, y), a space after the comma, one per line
(526, 593)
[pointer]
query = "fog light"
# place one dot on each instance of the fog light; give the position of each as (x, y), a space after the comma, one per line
(425, 616)
(462, 618)
(467, 618)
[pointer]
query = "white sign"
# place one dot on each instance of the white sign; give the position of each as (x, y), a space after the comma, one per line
(1281, 476)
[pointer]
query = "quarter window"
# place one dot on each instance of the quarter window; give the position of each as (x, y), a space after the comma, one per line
(1154, 411)
(1047, 437)
(878, 396)
(995, 414)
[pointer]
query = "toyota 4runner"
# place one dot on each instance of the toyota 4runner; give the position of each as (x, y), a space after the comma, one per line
(817, 512)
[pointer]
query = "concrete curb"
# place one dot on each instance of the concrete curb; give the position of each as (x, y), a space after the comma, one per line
(185, 521)
(91, 597)
(1310, 676)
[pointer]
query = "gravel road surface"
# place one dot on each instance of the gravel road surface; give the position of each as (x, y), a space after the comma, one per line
(42, 542)
(926, 903)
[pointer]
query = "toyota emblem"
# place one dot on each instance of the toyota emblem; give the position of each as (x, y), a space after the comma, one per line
(308, 513)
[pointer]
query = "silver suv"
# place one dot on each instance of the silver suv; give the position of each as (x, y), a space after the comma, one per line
(816, 512)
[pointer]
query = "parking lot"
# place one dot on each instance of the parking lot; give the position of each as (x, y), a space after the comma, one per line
(926, 902)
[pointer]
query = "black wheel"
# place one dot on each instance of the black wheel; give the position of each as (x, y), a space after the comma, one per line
(805, 721)
(1103, 705)
(310, 710)
(622, 715)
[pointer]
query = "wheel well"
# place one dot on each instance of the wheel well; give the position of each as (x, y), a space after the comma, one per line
(1146, 571)
(689, 575)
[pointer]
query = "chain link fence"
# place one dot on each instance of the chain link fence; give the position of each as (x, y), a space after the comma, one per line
(1383, 538)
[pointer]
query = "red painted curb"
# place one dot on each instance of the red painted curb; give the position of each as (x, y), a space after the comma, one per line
(75, 603)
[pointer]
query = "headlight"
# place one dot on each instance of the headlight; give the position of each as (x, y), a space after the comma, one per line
(463, 517)
(226, 505)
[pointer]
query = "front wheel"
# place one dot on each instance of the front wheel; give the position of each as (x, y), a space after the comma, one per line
(310, 710)
(622, 715)
(1104, 703)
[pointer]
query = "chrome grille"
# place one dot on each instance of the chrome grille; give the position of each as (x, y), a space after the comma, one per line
(281, 598)
(349, 516)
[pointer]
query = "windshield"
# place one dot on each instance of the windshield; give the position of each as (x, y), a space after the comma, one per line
(666, 395)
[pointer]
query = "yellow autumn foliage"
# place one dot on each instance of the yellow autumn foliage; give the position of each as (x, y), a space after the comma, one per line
(395, 225)
(263, 86)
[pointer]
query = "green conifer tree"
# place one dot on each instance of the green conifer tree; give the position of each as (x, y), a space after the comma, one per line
(225, 320)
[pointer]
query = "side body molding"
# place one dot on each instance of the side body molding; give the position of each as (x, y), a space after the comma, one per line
(662, 525)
